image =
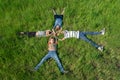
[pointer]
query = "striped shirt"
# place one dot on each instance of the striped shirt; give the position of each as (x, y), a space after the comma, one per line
(70, 34)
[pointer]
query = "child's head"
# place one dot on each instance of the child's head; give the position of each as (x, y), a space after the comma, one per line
(52, 40)
(57, 28)
(48, 32)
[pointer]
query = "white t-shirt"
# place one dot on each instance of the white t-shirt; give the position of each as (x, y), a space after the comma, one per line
(70, 34)
(41, 33)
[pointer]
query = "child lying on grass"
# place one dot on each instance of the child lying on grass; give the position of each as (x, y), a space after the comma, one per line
(38, 33)
(58, 21)
(83, 36)
(52, 53)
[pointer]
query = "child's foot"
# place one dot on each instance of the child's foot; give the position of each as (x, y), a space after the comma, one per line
(21, 33)
(64, 72)
(33, 70)
(54, 12)
(100, 48)
(103, 31)
(63, 11)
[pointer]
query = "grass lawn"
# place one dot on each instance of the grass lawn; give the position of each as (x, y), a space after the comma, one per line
(19, 55)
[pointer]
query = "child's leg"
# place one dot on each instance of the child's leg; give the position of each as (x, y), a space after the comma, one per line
(55, 57)
(29, 34)
(43, 60)
(63, 11)
(91, 33)
(54, 12)
(58, 22)
(83, 37)
(102, 32)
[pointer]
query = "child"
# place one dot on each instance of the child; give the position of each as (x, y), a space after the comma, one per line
(58, 21)
(38, 33)
(52, 53)
(82, 35)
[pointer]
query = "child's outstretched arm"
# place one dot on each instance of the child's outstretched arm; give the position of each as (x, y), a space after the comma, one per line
(54, 33)
(61, 39)
(60, 31)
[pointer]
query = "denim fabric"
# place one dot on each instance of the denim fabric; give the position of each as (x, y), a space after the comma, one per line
(51, 54)
(82, 35)
(58, 20)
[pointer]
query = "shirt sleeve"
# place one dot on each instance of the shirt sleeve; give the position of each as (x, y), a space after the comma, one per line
(65, 34)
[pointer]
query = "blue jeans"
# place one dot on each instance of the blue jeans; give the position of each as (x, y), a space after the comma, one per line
(58, 20)
(51, 54)
(82, 35)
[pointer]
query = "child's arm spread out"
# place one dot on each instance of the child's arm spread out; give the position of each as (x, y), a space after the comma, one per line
(54, 33)
(61, 39)
(60, 30)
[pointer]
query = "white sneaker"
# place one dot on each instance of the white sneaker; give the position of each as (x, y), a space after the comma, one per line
(64, 72)
(21, 33)
(100, 48)
(103, 31)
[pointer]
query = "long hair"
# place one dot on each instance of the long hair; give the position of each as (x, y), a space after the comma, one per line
(53, 39)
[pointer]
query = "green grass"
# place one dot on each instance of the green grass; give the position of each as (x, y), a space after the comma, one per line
(18, 55)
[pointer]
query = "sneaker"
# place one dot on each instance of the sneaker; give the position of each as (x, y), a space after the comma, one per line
(103, 31)
(21, 33)
(64, 72)
(100, 48)
(33, 70)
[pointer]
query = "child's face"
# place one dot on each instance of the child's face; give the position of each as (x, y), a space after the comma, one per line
(52, 40)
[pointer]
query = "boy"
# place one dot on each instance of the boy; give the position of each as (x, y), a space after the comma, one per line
(82, 35)
(58, 21)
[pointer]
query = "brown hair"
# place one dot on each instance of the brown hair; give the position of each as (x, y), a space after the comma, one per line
(57, 28)
(50, 32)
(52, 38)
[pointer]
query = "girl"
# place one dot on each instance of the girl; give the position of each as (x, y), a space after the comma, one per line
(52, 53)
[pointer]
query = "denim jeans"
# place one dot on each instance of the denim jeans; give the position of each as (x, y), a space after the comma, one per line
(58, 20)
(82, 35)
(51, 54)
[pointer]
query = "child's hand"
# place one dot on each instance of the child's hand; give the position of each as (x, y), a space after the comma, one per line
(60, 39)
